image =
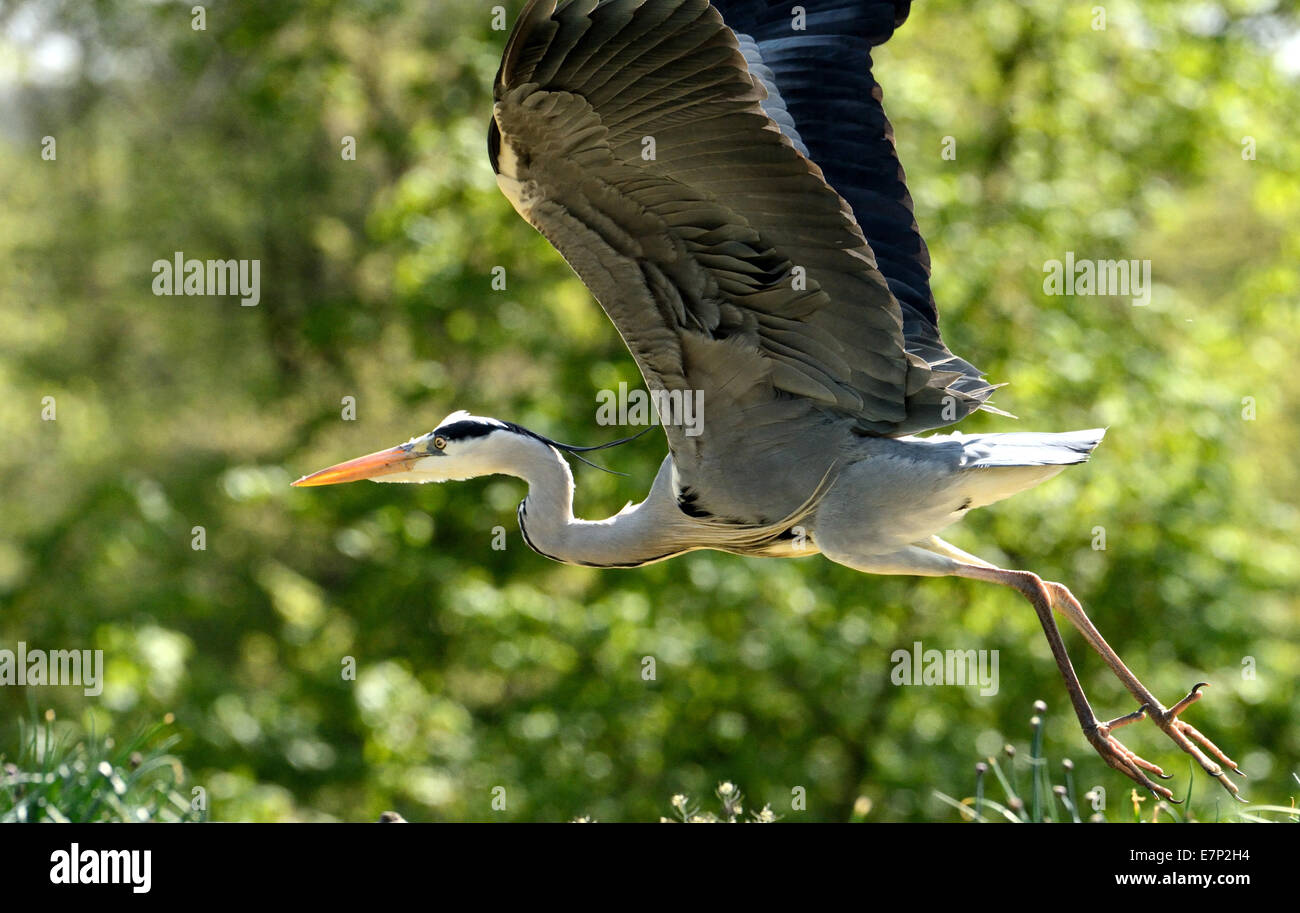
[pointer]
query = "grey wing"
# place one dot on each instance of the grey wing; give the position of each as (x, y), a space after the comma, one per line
(632, 135)
(822, 94)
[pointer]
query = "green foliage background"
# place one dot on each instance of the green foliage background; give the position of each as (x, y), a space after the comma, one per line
(480, 668)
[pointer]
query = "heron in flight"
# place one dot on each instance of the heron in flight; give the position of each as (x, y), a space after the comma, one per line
(723, 178)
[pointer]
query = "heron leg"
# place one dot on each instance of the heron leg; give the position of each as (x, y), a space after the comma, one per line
(934, 558)
(1183, 734)
(1098, 733)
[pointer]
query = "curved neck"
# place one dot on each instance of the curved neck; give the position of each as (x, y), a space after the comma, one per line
(636, 535)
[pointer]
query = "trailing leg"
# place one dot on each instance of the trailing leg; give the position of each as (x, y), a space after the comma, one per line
(1099, 734)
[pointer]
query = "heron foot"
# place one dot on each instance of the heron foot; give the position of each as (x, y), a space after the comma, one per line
(1183, 734)
(1191, 740)
(1127, 762)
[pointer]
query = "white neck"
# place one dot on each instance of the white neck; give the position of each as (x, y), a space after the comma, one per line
(639, 534)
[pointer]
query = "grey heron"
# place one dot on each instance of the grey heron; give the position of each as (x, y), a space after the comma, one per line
(723, 178)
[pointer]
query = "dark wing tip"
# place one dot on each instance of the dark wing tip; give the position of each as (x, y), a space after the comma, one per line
(902, 8)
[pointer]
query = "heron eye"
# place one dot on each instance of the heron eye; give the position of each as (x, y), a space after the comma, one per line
(440, 443)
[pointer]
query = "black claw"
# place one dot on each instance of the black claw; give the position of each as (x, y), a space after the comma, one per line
(1199, 685)
(1172, 801)
(1239, 772)
(1164, 776)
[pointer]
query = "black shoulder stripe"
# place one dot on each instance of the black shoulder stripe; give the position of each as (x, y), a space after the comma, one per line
(688, 502)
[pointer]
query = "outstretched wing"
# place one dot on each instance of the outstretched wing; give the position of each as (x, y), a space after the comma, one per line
(816, 66)
(631, 133)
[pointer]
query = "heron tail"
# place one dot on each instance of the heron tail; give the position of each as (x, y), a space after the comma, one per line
(1028, 448)
(1000, 465)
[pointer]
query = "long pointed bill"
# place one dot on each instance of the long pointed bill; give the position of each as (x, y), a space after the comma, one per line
(383, 462)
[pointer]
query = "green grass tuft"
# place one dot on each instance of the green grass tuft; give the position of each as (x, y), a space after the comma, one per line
(1058, 803)
(63, 772)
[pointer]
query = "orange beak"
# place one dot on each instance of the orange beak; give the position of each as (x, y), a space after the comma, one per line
(383, 462)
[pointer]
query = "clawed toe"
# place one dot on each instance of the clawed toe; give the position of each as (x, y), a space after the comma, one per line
(1184, 735)
(1192, 740)
(1135, 716)
(1114, 753)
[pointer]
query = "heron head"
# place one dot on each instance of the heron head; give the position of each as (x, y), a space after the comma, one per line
(463, 446)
